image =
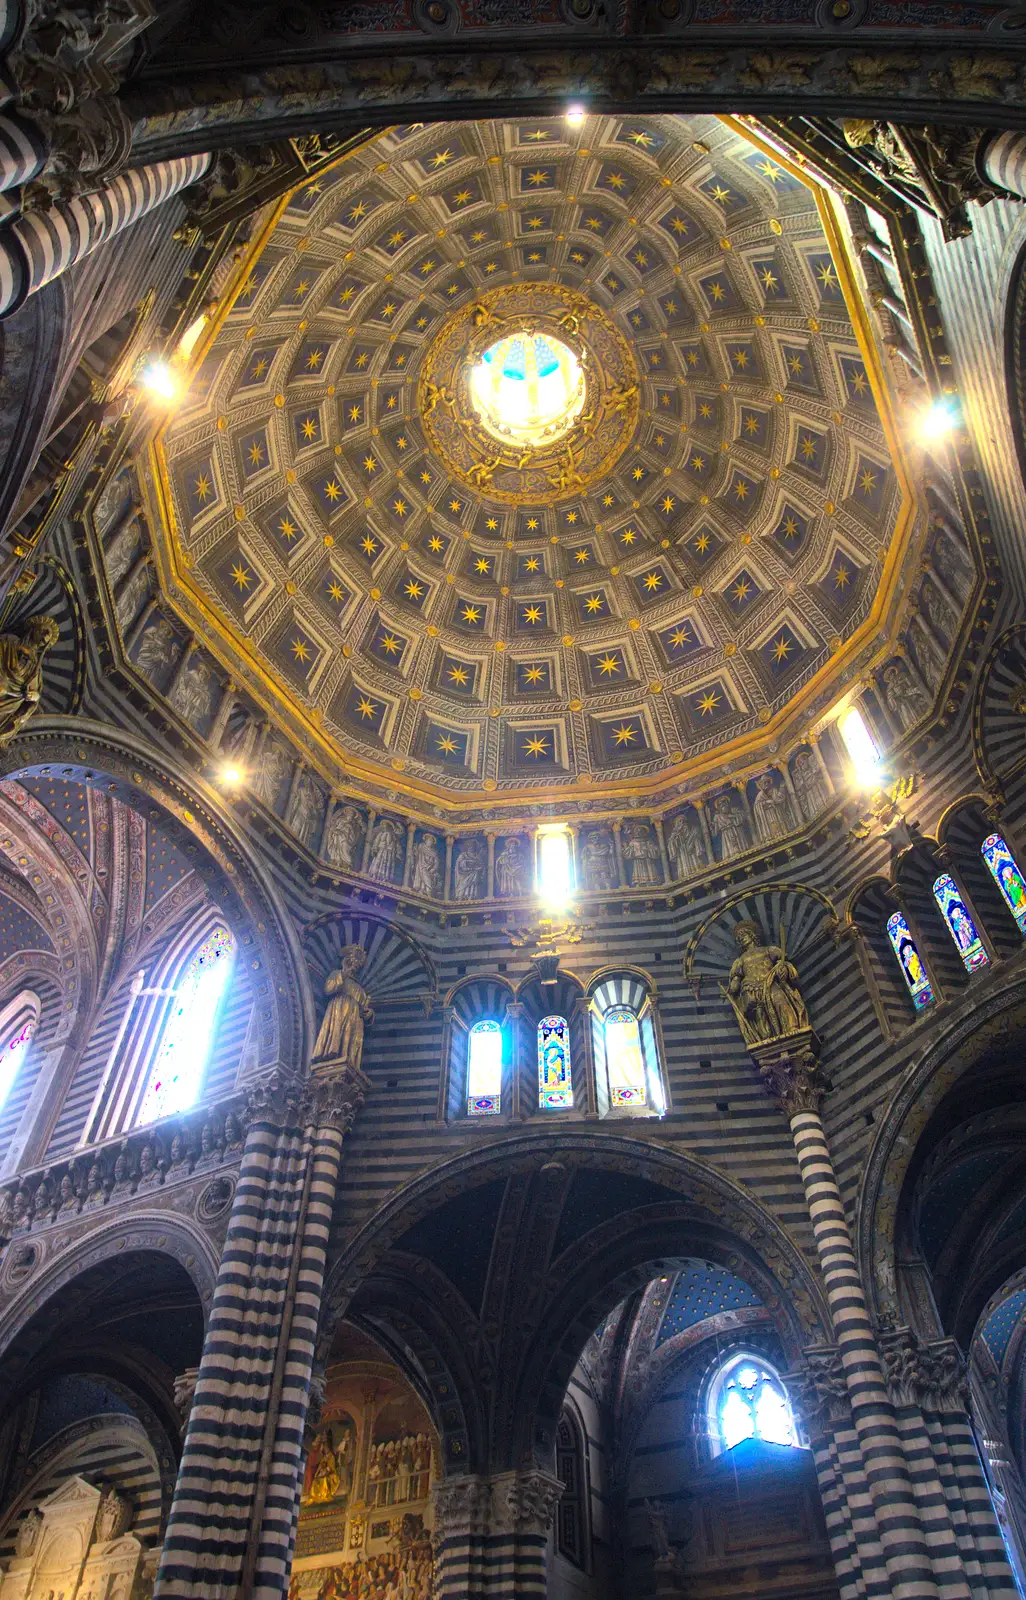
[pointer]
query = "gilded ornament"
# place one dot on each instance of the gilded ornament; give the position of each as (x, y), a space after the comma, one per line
(21, 672)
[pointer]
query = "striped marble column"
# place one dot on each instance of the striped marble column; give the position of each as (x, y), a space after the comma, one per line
(232, 1523)
(1002, 161)
(24, 149)
(789, 1070)
(39, 246)
(491, 1535)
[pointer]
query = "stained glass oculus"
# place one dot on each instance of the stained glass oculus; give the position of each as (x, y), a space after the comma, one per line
(555, 1080)
(188, 1033)
(909, 960)
(1005, 872)
(960, 924)
(529, 389)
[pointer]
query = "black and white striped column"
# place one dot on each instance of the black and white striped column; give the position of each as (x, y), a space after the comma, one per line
(38, 247)
(232, 1523)
(1002, 161)
(24, 149)
(491, 1535)
(902, 1540)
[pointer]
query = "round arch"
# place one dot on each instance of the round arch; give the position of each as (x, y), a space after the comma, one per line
(151, 781)
(676, 1207)
(961, 1046)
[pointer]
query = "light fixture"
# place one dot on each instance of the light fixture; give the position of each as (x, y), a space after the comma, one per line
(231, 775)
(555, 871)
(862, 749)
(157, 377)
(939, 419)
(575, 115)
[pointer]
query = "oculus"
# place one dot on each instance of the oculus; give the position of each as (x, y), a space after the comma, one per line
(530, 394)
(528, 388)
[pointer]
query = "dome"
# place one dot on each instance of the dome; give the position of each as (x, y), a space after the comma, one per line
(533, 460)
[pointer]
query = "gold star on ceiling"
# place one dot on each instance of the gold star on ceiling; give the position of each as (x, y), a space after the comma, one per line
(625, 734)
(536, 746)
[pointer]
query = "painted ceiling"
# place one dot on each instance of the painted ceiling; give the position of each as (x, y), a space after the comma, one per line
(686, 575)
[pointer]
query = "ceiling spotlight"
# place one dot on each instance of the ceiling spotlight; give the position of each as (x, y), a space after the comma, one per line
(158, 379)
(575, 115)
(231, 775)
(938, 420)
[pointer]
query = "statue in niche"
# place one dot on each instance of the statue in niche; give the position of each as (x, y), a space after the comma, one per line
(27, 1536)
(386, 851)
(598, 860)
(763, 988)
(904, 696)
(509, 867)
(729, 825)
(427, 869)
(120, 553)
(941, 615)
(686, 845)
(343, 837)
(191, 694)
(656, 1513)
(129, 599)
(928, 651)
(340, 1039)
(304, 808)
(771, 808)
(270, 773)
(21, 672)
(641, 849)
(155, 649)
(469, 873)
(113, 1516)
(809, 785)
(952, 562)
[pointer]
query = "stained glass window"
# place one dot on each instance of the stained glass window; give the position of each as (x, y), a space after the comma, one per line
(484, 1070)
(189, 1029)
(555, 1081)
(528, 389)
(1006, 875)
(750, 1402)
(909, 960)
(624, 1061)
(13, 1054)
(960, 924)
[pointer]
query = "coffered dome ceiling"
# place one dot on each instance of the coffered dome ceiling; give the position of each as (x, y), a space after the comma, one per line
(535, 456)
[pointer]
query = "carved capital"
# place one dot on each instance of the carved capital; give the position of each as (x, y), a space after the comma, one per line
(929, 1374)
(524, 1502)
(820, 1390)
(275, 1099)
(789, 1069)
(185, 1393)
(89, 145)
(461, 1507)
(334, 1096)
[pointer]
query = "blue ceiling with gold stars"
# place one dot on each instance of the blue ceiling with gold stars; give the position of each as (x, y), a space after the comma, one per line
(704, 587)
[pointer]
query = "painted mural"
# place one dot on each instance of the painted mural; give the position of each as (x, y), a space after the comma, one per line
(365, 1514)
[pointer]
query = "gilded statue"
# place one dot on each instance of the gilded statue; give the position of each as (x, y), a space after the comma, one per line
(482, 472)
(21, 672)
(763, 988)
(340, 1040)
(436, 395)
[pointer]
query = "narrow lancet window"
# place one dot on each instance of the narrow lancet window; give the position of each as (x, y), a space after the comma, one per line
(910, 961)
(555, 1078)
(1005, 871)
(960, 924)
(188, 1034)
(624, 1060)
(12, 1056)
(484, 1070)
